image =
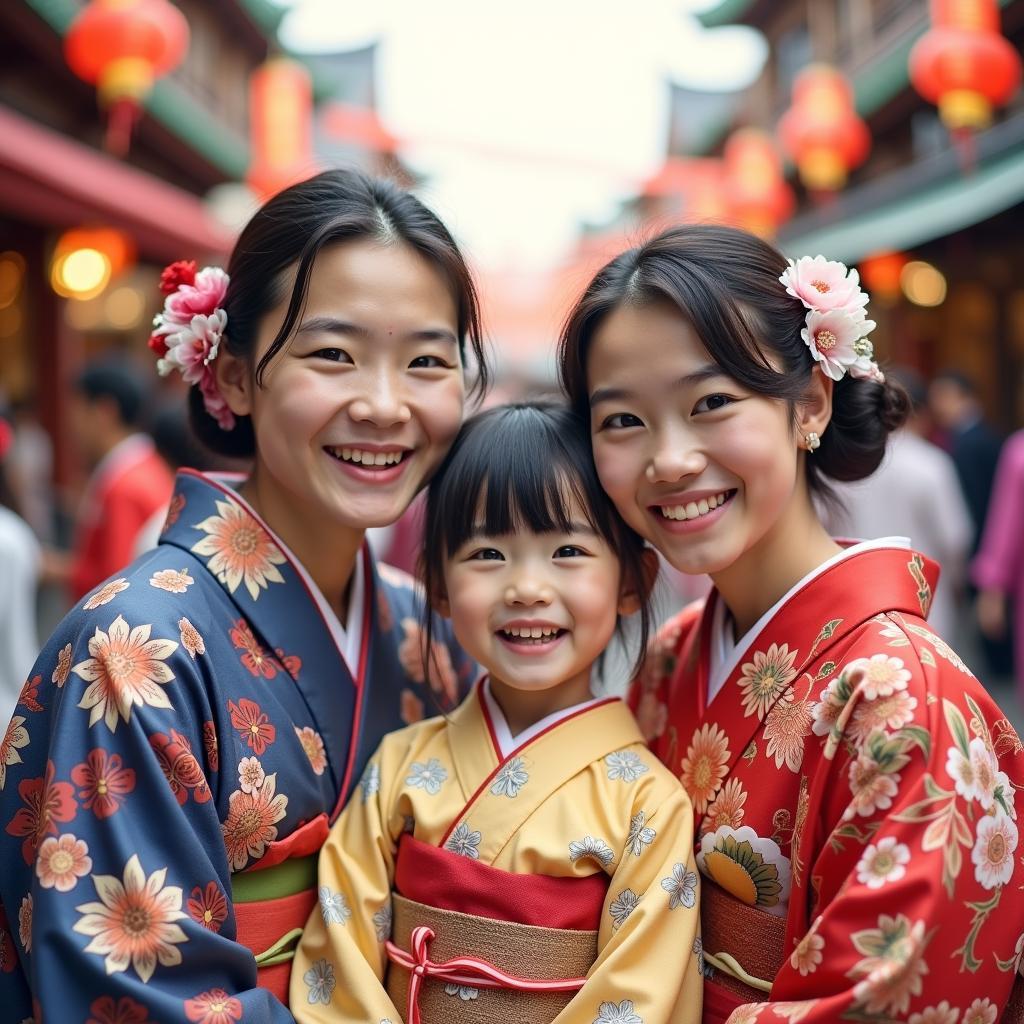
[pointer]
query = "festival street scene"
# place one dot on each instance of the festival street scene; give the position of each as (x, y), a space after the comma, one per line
(511, 513)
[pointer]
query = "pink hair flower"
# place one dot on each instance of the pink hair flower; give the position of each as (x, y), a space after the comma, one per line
(824, 285)
(838, 341)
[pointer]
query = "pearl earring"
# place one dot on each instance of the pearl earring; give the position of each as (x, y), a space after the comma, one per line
(812, 441)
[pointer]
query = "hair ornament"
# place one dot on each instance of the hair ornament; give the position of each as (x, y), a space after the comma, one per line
(188, 331)
(837, 325)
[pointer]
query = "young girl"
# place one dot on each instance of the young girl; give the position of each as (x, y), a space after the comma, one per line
(526, 858)
(191, 727)
(853, 783)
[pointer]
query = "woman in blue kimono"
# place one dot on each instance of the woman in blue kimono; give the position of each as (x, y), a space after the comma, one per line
(193, 726)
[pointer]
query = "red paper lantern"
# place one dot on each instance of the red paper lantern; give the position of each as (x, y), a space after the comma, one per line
(963, 64)
(821, 131)
(122, 47)
(880, 273)
(694, 188)
(281, 126)
(758, 196)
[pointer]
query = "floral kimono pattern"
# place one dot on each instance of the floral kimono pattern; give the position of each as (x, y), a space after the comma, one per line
(190, 720)
(583, 798)
(854, 779)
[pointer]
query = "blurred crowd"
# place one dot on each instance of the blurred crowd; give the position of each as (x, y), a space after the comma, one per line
(950, 482)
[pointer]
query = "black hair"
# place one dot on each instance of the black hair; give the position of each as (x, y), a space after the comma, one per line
(175, 442)
(725, 282)
(524, 466)
(290, 231)
(118, 382)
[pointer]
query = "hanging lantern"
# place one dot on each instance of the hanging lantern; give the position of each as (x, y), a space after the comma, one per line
(963, 64)
(281, 126)
(821, 131)
(122, 47)
(758, 195)
(881, 272)
(359, 126)
(692, 189)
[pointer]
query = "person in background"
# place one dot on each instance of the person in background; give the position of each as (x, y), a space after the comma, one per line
(129, 482)
(998, 569)
(974, 447)
(19, 573)
(915, 493)
(31, 469)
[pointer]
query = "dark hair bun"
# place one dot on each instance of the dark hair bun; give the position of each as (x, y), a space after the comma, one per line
(864, 413)
(238, 443)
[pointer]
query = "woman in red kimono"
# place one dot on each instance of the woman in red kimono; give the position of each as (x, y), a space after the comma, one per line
(854, 784)
(193, 725)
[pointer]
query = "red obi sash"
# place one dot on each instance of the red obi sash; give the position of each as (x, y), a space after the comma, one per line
(439, 878)
(273, 900)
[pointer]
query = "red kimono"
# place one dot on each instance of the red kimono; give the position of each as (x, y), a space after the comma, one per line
(127, 488)
(854, 787)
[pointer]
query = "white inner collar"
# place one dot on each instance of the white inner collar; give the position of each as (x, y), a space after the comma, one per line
(503, 734)
(726, 651)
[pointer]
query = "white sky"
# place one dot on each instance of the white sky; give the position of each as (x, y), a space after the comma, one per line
(533, 117)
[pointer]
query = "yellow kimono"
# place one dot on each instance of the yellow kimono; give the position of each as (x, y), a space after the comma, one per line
(577, 835)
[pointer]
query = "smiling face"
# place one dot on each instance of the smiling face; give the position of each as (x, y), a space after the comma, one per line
(536, 609)
(365, 398)
(705, 470)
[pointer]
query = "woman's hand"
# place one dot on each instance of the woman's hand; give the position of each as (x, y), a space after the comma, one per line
(991, 612)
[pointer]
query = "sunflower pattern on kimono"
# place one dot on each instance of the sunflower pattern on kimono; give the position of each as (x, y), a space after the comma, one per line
(584, 799)
(190, 719)
(854, 779)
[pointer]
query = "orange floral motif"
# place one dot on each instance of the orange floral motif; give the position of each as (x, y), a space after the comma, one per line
(105, 783)
(727, 807)
(705, 765)
(124, 1011)
(180, 767)
(785, 728)
(62, 862)
(134, 922)
(253, 724)
(14, 739)
(191, 638)
(412, 653)
(313, 745)
(213, 1007)
(177, 506)
(240, 550)
(292, 662)
(63, 669)
(174, 581)
(106, 594)
(765, 678)
(252, 822)
(28, 698)
(208, 906)
(210, 745)
(46, 803)
(255, 658)
(125, 667)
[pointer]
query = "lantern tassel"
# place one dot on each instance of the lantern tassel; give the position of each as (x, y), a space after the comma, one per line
(121, 117)
(965, 143)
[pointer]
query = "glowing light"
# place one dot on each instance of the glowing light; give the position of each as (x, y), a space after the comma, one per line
(81, 273)
(923, 284)
(12, 273)
(124, 307)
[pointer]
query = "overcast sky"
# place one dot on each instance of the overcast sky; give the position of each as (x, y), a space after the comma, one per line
(528, 118)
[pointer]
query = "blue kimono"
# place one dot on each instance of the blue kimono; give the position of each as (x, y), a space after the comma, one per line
(173, 764)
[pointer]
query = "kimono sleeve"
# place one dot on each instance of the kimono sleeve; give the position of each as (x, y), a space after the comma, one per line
(340, 963)
(919, 913)
(648, 965)
(115, 883)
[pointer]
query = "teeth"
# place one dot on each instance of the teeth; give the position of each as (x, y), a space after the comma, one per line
(530, 632)
(365, 458)
(694, 509)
